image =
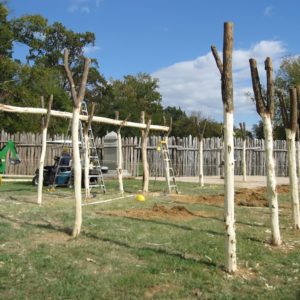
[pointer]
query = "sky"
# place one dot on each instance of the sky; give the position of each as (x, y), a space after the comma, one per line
(171, 40)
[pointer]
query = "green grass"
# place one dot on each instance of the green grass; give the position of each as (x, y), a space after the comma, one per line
(125, 257)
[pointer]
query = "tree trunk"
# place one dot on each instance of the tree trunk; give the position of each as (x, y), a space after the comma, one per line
(41, 166)
(271, 180)
(244, 161)
(298, 157)
(86, 163)
(230, 241)
(145, 165)
(200, 154)
(120, 162)
(45, 123)
(77, 172)
(290, 138)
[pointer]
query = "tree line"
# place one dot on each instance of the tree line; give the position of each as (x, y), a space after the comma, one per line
(23, 84)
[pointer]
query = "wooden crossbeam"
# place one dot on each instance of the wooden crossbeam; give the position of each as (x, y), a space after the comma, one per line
(69, 115)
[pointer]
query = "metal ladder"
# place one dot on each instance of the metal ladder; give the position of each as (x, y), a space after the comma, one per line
(169, 171)
(95, 173)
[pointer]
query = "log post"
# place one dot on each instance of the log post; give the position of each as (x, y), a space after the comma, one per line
(200, 135)
(144, 137)
(265, 108)
(45, 123)
(227, 97)
(290, 124)
(77, 98)
(244, 139)
(119, 156)
(87, 126)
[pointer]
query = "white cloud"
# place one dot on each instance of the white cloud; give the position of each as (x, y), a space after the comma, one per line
(268, 11)
(195, 85)
(82, 6)
(90, 49)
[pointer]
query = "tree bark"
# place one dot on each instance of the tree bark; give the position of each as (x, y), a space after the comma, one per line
(271, 180)
(230, 241)
(77, 98)
(77, 173)
(45, 124)
(68, 115)
(244, 161)
(290, 138)
(266, 111)
(87, 126)
(200, 154)
(227, 97)
(144, 137)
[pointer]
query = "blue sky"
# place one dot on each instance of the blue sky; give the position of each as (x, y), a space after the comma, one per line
(171, 39)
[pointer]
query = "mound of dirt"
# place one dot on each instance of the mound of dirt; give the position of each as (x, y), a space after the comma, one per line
(244, 197)
(156, 212)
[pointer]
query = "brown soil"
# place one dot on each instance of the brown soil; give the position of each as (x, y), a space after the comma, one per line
(177, 212)
(243, 197)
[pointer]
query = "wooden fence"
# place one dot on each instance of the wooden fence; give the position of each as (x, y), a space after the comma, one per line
(183, 153)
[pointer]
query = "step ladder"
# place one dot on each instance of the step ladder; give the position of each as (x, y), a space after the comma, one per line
(169, 171)
(95, 171)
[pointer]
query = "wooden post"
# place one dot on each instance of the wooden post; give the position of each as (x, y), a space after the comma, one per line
(119, 157)
(200, 135)
(86, 128)
(265, 108)
(77, 98)
(227, 97)
(45, 123)
(244, 136)
(290, 124)
(144, 137)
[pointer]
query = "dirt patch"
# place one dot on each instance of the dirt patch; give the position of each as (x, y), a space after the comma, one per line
(243, 197)
(177, 212)
(155, 291)
(50, 238)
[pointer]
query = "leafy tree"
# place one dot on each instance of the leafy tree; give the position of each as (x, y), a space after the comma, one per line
(47, 42)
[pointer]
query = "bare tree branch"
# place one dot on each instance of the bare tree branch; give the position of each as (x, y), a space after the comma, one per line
(293, 109)
(270, 86)
(217, 58)
(260, 105)
(70, 77)
(283, 111)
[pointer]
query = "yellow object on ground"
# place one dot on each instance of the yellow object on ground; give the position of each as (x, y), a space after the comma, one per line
(140, 197)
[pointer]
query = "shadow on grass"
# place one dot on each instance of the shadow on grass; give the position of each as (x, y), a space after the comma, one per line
(49, 226)
(46, 225)
(177, 254)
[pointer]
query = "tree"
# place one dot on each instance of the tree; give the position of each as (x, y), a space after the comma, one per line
(77, 97)
(291, 126)
(265, 108)
(225, 69)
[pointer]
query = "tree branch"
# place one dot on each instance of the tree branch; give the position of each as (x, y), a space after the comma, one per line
(283, 111)
(260, 105)
(70, 77)
(270, 86)
(293, 109)
(217, 58)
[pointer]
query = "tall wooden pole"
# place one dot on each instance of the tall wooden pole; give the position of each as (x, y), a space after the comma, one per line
(144, 137)
(244, 139)
(291, 126)
(45, 123)
(265, 108)
(86, 128)
(119, 157)
(77, 98)
(227, 97)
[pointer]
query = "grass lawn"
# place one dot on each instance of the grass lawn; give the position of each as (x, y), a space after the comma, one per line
(168, 247)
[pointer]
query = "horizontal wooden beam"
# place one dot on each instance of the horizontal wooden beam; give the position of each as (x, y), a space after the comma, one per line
(69, 115)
